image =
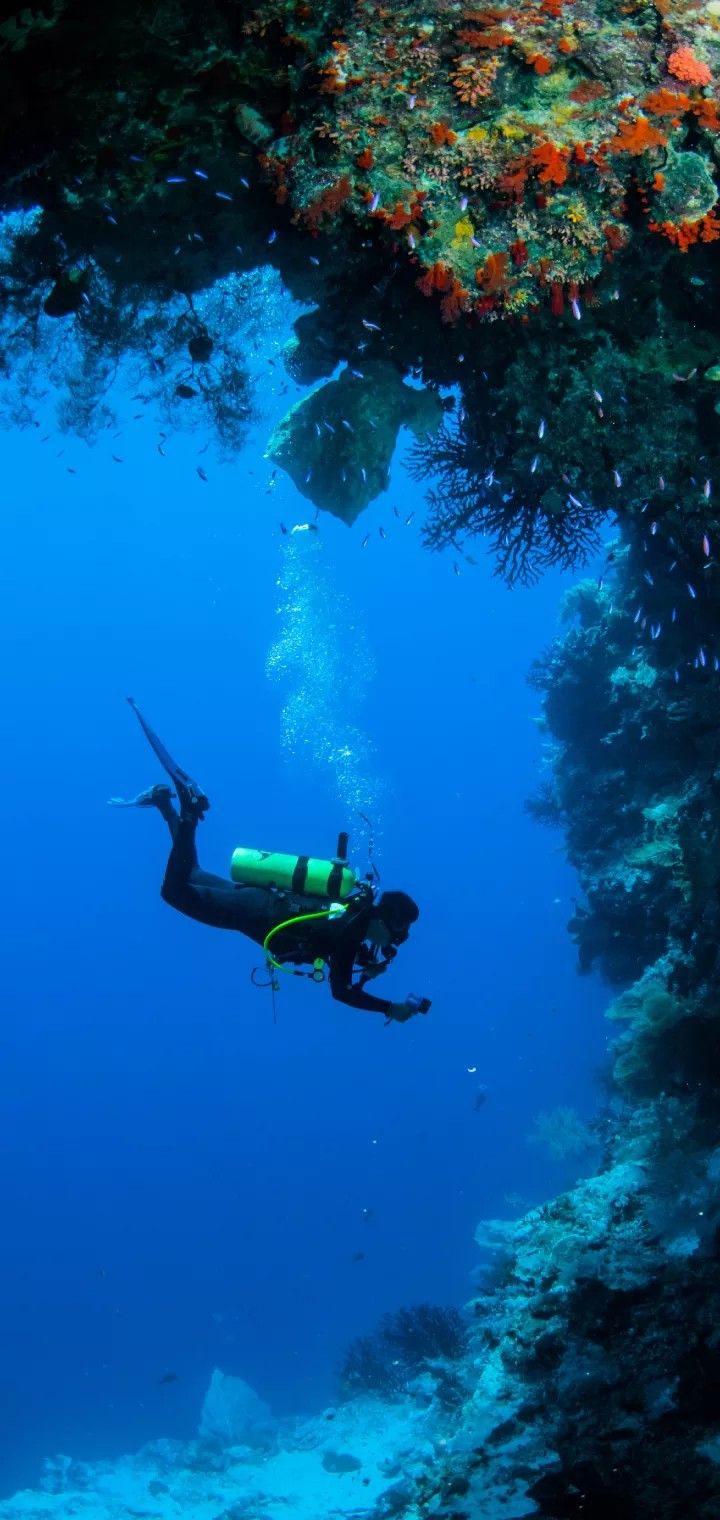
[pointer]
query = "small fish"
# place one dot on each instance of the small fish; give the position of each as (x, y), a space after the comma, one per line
(272, 236)
(638, 615)
(375, 202)
(672, 566)
(244, 182)
(200, 471)
(490, 478)
(598, 397)
(653, 529)
(692, 591)
(308, 477)
(283, 529)
(363, 472)
(168, 1377)
(312, 259)
(411, 102)
(317, 430)
(161, 450)
(575, 308)
(676, 677)
(347, 424)
(707, 490)
(222, 195)
(701, 657)
(365, 541)
(575, 501)
(673, 615)
(176, 179)
(661, 482)
(358, 1256)
(409, 519)
(71, 471)
(200, 174)
(412, 244)
(456, 567)
(648, 577)
(329, 426)
(535, 463)
(371, 326)
(706, 546)
(656, 630)
(395, 512)
(617, 477)
(463, 203)
(357, 374)
(110, 218)
(117, 459)
(382, 532)
(541, 428)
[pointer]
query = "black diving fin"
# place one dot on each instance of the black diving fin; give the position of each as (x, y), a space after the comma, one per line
(192, 797)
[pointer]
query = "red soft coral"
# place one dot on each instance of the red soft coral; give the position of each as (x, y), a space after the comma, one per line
(684, 65)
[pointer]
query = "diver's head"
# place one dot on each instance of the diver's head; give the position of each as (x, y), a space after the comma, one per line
(391, 920)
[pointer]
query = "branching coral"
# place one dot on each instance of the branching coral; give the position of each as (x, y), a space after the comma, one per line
(525, 538)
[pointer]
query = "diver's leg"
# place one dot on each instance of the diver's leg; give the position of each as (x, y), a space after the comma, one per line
(192, 797)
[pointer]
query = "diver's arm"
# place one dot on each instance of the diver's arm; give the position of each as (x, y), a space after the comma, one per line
(342, 989)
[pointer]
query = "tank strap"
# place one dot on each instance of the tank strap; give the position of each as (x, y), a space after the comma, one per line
(334, 881)
(299, 876)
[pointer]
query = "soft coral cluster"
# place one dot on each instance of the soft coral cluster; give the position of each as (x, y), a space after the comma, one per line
(510, 112)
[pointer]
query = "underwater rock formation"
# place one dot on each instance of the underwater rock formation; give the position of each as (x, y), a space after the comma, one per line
(337, 443)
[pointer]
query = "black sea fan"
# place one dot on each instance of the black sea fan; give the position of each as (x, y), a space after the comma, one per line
(528, 529)
(405, 1343)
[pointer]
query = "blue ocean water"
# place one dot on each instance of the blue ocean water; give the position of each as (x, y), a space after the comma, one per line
(185, 1182)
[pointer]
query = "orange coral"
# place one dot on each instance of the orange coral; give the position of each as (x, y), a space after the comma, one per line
(707, 115)
(666, 102)
(686, 66)
(493, 274)
(552, 163)
(540, 63)
(493, 38)
(400, 218)
(455, 302)
(636, 136)
(441, 133)
(365, 159)
(684, 234)
(327, 203)
(438, 277)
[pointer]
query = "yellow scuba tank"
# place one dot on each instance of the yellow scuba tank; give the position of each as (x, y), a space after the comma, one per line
(296, 873)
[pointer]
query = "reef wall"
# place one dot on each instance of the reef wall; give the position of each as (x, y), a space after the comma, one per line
(596, 1350)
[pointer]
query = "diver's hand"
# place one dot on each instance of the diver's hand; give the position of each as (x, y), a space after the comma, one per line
(399, 1013)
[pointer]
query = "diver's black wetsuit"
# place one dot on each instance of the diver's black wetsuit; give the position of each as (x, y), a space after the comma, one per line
(254, 911)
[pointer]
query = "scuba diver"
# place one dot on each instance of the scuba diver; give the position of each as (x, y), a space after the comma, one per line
(311, 912)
